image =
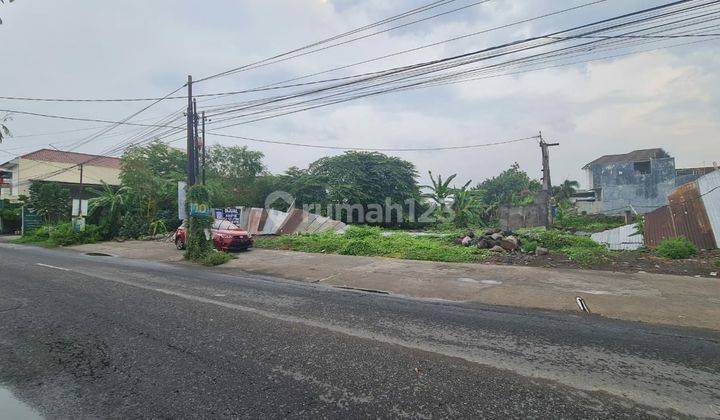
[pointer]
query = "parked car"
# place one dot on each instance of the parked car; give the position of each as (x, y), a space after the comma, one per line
(226, 236)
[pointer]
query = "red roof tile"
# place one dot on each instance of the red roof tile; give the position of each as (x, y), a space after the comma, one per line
(49, 155)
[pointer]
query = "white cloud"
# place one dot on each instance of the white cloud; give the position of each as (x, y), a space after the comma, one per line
(97, 49)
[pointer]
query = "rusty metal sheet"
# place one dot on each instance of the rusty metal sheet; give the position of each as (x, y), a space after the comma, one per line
(256, 220)
(709, 186)
(658, 226)
(689, 216)
(308, 220)
(291, 222)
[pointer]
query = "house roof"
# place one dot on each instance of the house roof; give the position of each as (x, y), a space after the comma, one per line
(50, 155)
(634, 156)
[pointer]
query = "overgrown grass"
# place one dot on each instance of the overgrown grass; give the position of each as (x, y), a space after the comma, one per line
(579, 249)
(675, 248)
(61, 234)
(589, 223)
(367, 241)
(215, 258)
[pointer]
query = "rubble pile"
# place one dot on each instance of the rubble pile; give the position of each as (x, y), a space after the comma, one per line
(496, 240)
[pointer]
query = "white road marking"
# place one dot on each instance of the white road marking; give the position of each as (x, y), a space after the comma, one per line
(52, 266)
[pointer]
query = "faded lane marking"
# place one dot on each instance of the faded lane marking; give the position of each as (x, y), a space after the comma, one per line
(52, 266)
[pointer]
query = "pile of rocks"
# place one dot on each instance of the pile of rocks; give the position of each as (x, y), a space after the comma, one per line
(495, 240)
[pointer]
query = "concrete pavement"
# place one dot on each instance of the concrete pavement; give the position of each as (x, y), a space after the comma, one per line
(653, 298)
(87, 336)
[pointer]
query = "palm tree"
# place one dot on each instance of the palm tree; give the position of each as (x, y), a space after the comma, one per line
(566, 189)
(4, 130)
(109, 205)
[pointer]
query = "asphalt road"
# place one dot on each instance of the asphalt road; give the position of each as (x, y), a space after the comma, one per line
(93, 336)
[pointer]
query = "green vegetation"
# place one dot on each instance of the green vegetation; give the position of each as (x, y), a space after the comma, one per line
(675, 248)
(717, 263)
(579, 249)
(50, 201)
(10, 217)
(588, 223)
(62, 234)
(368, 241)
(213, 258)
(199, 247)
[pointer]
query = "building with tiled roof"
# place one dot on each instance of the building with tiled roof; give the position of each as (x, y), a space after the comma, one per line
(48, 165)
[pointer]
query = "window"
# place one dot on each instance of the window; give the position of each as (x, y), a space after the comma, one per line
(642, 167)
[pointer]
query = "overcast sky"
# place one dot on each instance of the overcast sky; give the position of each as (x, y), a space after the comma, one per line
(666, 98)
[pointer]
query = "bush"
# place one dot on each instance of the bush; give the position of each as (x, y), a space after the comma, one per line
(675, 248)
(215, 258)
(62, 234)
(717, 263)
(529, 245)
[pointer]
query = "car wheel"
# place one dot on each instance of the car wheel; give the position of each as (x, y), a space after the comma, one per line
(180, 244)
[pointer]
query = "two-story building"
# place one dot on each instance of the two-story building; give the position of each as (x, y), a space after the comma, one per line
(638, 181)
(66, 168)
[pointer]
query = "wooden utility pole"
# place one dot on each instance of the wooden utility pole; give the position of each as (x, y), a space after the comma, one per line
(190, 136)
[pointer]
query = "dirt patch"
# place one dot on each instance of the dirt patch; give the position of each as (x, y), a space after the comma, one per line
(702, 265)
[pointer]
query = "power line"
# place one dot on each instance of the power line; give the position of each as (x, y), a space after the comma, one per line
(373, 149)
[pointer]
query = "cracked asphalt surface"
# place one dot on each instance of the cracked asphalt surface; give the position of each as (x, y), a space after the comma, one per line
(90, 336)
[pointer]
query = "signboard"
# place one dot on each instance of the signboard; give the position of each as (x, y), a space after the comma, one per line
(181, 200)
(199, 210)
(78, 224)
(231, 214)
(30, 220)
(83, 207)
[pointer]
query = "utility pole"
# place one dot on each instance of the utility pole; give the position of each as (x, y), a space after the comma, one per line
(190, 137)
(203, 147)
(546, 183)
(80, 195)
(195, 139)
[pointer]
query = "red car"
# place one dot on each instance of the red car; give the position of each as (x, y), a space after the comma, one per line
(226, 236)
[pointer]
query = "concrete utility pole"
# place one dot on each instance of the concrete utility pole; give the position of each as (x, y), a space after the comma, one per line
(195, 139)
(203, 147)
(190, 137)
(80, 194)
(547, 185)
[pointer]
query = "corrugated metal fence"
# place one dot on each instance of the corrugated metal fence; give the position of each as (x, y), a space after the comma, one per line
(692, 208)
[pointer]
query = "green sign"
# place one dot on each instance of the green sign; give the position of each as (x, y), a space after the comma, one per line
(199, 210)
(30, 220)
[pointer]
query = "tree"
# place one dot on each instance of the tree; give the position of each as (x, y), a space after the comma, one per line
(465, 207)
(512, 187)
(364, 178)
(565, 190)
(440, 191)
(3, 2)
(50, 201)
(232, 175)
(4, 130)
(108, 207)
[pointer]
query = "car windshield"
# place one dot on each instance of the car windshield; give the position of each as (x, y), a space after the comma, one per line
(224, 225)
